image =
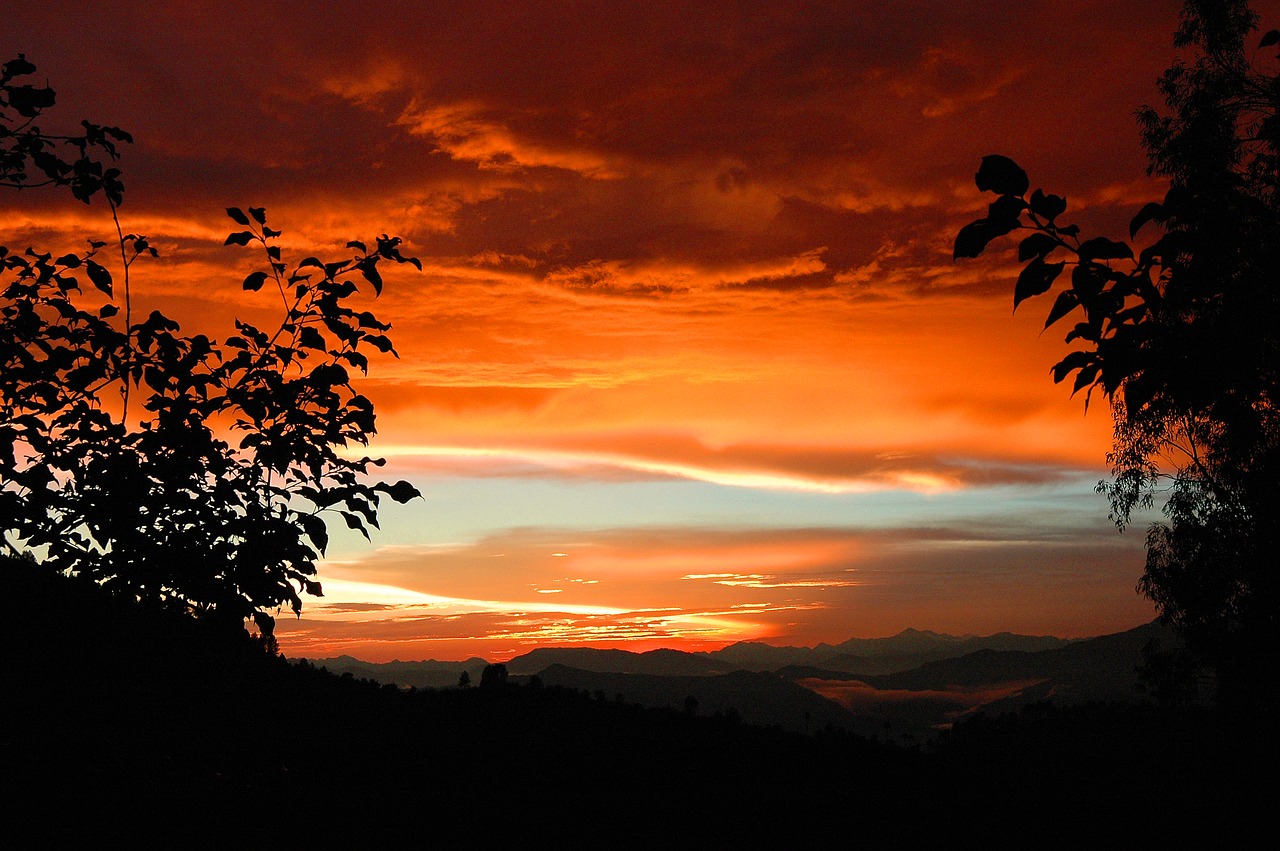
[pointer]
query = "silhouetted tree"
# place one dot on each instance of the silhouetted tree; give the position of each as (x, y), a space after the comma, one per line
(1184, 339)
(494, 676)
(464, 680)
(144, 494)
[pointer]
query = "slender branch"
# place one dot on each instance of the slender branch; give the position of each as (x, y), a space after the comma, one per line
(128, 311)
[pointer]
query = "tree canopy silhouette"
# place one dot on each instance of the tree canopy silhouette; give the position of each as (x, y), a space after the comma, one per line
(1183, 338)
(178, 470)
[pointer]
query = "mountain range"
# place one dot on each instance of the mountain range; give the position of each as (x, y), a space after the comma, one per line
(907, 685)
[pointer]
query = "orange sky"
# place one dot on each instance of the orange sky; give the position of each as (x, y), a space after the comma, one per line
(689, 361)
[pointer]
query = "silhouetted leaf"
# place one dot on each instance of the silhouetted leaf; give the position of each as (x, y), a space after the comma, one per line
(357, 360)
(1086, 282)
(99, 275)
(1035, 279)
(309, 337)
(1087, 375)
(354, 522)
(1072, 362)
(1004, 213)
(380, 342)
(237, 215)
(401, 491)
(259, 215)
(371, 274)
(1271, 37)
(28, 101)
(1036, 245)
(254, 282)
(1001, 175)
(19, 67)
(1047, 207)
(1149, 213)
(972, 239)
(1101, 248)
(316, 531)
(1065, 303)
(239, 238)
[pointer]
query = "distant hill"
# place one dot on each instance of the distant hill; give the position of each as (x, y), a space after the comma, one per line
(673, 663)
(1102, 668)
(857, 656)
(424, 674)
(908, 685)
(939, 693)
(904, 651)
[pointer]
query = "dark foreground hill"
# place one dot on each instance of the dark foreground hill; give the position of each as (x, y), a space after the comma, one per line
(755, 698)
(123, 727)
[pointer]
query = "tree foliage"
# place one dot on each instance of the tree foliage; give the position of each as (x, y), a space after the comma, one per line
(1181, 332)
(175, 469)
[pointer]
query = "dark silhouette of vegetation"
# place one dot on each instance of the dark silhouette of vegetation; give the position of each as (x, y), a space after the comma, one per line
(154, 724)
(1183, 338)
(177, 470)
(494, 676)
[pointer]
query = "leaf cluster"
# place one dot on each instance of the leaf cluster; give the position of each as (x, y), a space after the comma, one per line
(1113, 293)
(214, 497)
(31, 158)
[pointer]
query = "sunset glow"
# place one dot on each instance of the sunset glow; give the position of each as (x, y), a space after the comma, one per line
(689, 361)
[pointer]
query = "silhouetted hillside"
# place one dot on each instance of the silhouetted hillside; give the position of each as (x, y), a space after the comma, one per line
(160, 731)
(122, 717)
(750, 697)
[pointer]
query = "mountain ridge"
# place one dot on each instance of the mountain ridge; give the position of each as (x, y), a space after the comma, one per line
(906, 649)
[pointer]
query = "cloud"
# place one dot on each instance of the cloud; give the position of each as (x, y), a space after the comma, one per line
(703, 587)
(465, 131)
(762, 580)
(661, 242)
(643, 455)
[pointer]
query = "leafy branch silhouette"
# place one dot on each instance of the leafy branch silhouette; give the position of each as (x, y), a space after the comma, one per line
(1181, 337)
(160, 505)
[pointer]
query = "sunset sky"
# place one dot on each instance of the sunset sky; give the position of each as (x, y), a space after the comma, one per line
(689, 361)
